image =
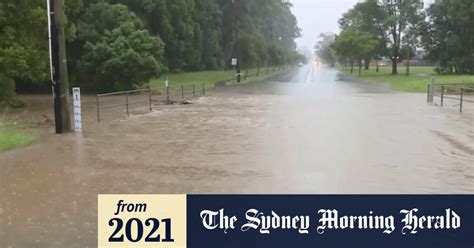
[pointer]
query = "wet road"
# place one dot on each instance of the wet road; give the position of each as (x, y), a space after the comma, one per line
(312, 131)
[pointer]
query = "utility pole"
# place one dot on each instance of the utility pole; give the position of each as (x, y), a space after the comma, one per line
(58, 64)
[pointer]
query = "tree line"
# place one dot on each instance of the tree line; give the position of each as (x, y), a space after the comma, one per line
(122, 44)
(396, 28)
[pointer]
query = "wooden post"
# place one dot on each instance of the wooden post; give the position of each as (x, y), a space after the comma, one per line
(442, 95)
(432, 89)
(126, 104)
(149, 98)
(98, 109)
(428, 93)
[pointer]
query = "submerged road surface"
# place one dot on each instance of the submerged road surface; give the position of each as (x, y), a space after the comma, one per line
(312, 131)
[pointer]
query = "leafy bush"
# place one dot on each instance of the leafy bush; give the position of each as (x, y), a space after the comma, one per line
(16, 102)
(121, 54)
(438, 70)
(8, 98)
(7, 87)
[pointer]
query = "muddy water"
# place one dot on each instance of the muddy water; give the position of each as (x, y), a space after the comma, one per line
(312, 131)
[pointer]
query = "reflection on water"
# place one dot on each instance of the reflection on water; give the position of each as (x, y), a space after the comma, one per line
(307, 132)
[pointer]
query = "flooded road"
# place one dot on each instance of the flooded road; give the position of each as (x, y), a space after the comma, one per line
(311, 131)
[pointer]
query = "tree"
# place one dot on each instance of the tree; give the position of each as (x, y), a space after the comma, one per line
(23, 47)
(209, 16)
(361, 19)
(7, 89)
(118, 55)
(272, 19)
(324, 49)
(406, 53)
(448, 35)
(188, 35)
(274, 55)
(180, 50)
(342, 46)
(399, 18)
(388, 20)
(248, 52)
(354, 47)
(261, 53)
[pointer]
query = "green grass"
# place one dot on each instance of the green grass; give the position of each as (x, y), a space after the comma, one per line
(12, 133)
(416, 82)
(11, 139)
(208, 77)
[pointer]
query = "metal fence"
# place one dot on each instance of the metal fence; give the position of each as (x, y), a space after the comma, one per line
(165, 95)
(456, 92)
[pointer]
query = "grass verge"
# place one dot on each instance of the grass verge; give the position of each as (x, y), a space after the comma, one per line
(416, 82)
(11, 139)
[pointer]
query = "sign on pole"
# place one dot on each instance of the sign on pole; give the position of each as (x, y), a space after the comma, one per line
(234, 61)
(76, 92)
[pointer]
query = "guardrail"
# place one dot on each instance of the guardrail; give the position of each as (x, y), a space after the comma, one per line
(172, 93)
(457, 92)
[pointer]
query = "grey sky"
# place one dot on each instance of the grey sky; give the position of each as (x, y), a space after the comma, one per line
(318, 16)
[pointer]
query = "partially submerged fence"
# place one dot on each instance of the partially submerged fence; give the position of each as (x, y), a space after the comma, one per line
(460, 93)
(164, 95)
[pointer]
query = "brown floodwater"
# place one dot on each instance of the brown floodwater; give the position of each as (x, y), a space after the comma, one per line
(311, 131)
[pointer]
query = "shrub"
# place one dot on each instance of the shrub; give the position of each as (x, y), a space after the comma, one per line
(7, 87)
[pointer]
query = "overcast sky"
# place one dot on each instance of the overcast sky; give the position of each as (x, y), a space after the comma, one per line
(318, 16)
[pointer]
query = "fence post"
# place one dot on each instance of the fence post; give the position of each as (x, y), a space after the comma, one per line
(149, 98)
(167, 94)
(432, 88)
(203, 89)
(128, 112)
(194, 90)
(428, 93)
(442, 95)
(98, 109)
(182, 92)
(462, 96)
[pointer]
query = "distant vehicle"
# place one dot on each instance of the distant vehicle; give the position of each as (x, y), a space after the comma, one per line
(300, 64)
(318, 63)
